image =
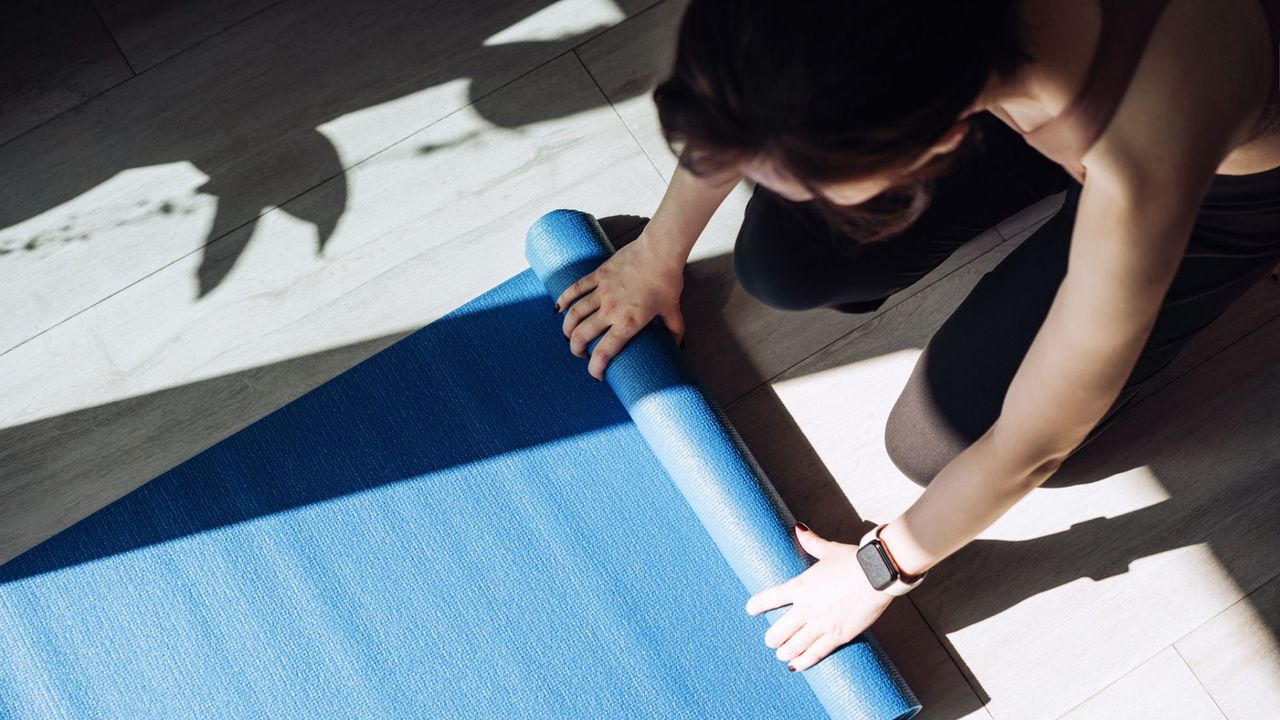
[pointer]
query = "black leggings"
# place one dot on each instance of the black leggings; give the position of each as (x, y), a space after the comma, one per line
(787, 256)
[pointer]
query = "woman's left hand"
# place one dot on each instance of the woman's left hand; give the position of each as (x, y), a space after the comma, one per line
(831, 603)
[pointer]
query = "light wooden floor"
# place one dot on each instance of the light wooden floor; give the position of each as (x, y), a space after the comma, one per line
(208, 208)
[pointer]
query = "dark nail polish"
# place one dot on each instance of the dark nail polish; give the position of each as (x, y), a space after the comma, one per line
(557, 307)
(802, 526)
(681, 344)
(792, 668)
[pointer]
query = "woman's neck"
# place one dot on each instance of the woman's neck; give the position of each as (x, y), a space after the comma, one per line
(1060, 36)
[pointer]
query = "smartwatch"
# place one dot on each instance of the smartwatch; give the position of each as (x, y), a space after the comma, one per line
(880, 567)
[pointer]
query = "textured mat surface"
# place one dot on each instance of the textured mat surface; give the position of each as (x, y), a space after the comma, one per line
(464, 525)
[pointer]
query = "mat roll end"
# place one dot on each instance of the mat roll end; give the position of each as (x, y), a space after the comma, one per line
(564, 245)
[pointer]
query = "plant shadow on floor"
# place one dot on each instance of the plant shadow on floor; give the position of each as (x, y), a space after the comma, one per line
(284, 89)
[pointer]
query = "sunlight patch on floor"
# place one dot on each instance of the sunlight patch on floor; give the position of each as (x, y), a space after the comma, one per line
(562, 19)
(842, 413)
(410, 230)
(350, 133)
(134, 200)
(1048, 510)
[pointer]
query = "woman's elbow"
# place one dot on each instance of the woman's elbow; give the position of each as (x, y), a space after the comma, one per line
(1030, 460)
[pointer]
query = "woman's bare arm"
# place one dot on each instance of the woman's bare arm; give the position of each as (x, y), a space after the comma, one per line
(686, 208)
(1145, 178)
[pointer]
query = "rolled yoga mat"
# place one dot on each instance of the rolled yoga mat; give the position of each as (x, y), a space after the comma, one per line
(465, 525)
(715, 472)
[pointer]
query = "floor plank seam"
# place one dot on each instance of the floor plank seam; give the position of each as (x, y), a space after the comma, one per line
(1187, 371)
(136, 74)
(1117, 679)
(64, 111)
(1025, 232)
(638, 13)
(107, 29)
(1194, 674)
(617, 114)
(862, 324)
(956, 662)
(609, 100)
(1243, 598)
(202, 41)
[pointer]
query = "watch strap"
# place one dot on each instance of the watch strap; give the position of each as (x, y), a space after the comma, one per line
(903, 583)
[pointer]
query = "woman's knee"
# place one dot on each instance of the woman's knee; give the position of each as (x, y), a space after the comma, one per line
(773, 279)
(931, 423)
(782, 259)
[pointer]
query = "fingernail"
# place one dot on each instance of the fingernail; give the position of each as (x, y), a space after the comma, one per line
(557, 307)
(682, 344)
(802, 526)
(792, 668)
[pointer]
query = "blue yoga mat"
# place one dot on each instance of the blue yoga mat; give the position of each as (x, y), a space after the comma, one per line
(464, 525)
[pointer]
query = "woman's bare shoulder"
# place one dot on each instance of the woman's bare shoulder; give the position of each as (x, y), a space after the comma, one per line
(1196, 93)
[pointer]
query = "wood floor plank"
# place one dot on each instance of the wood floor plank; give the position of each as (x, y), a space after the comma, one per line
(1161, 688)
(149, 377)
(195, 148)
(150, 31)
(1258, 307)
(1236, 655)
(628, 61)
(55, 56)
(1029, 219)
(926, 667)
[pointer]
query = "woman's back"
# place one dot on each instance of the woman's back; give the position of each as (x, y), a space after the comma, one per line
(1123, 31)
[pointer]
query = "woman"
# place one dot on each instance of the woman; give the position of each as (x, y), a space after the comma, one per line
(882, 135)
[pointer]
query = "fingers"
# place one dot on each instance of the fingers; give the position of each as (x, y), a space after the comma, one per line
(586, 331)
(584, 284)
(609, 346)
(812, 544)
(770, 598)
(820, 648)
(584, 307)
(781, 631)
(674, 320)
(798, 643)
(612, 312)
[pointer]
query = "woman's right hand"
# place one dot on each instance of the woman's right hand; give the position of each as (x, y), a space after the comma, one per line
(641, 281)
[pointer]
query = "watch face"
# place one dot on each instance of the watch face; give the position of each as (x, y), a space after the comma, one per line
(875, 563)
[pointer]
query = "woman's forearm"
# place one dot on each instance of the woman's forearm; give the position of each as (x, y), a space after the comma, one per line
(685, 210)
(972, 491)
(1123, 258)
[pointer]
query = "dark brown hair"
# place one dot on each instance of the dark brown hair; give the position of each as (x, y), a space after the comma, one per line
(834, 89)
